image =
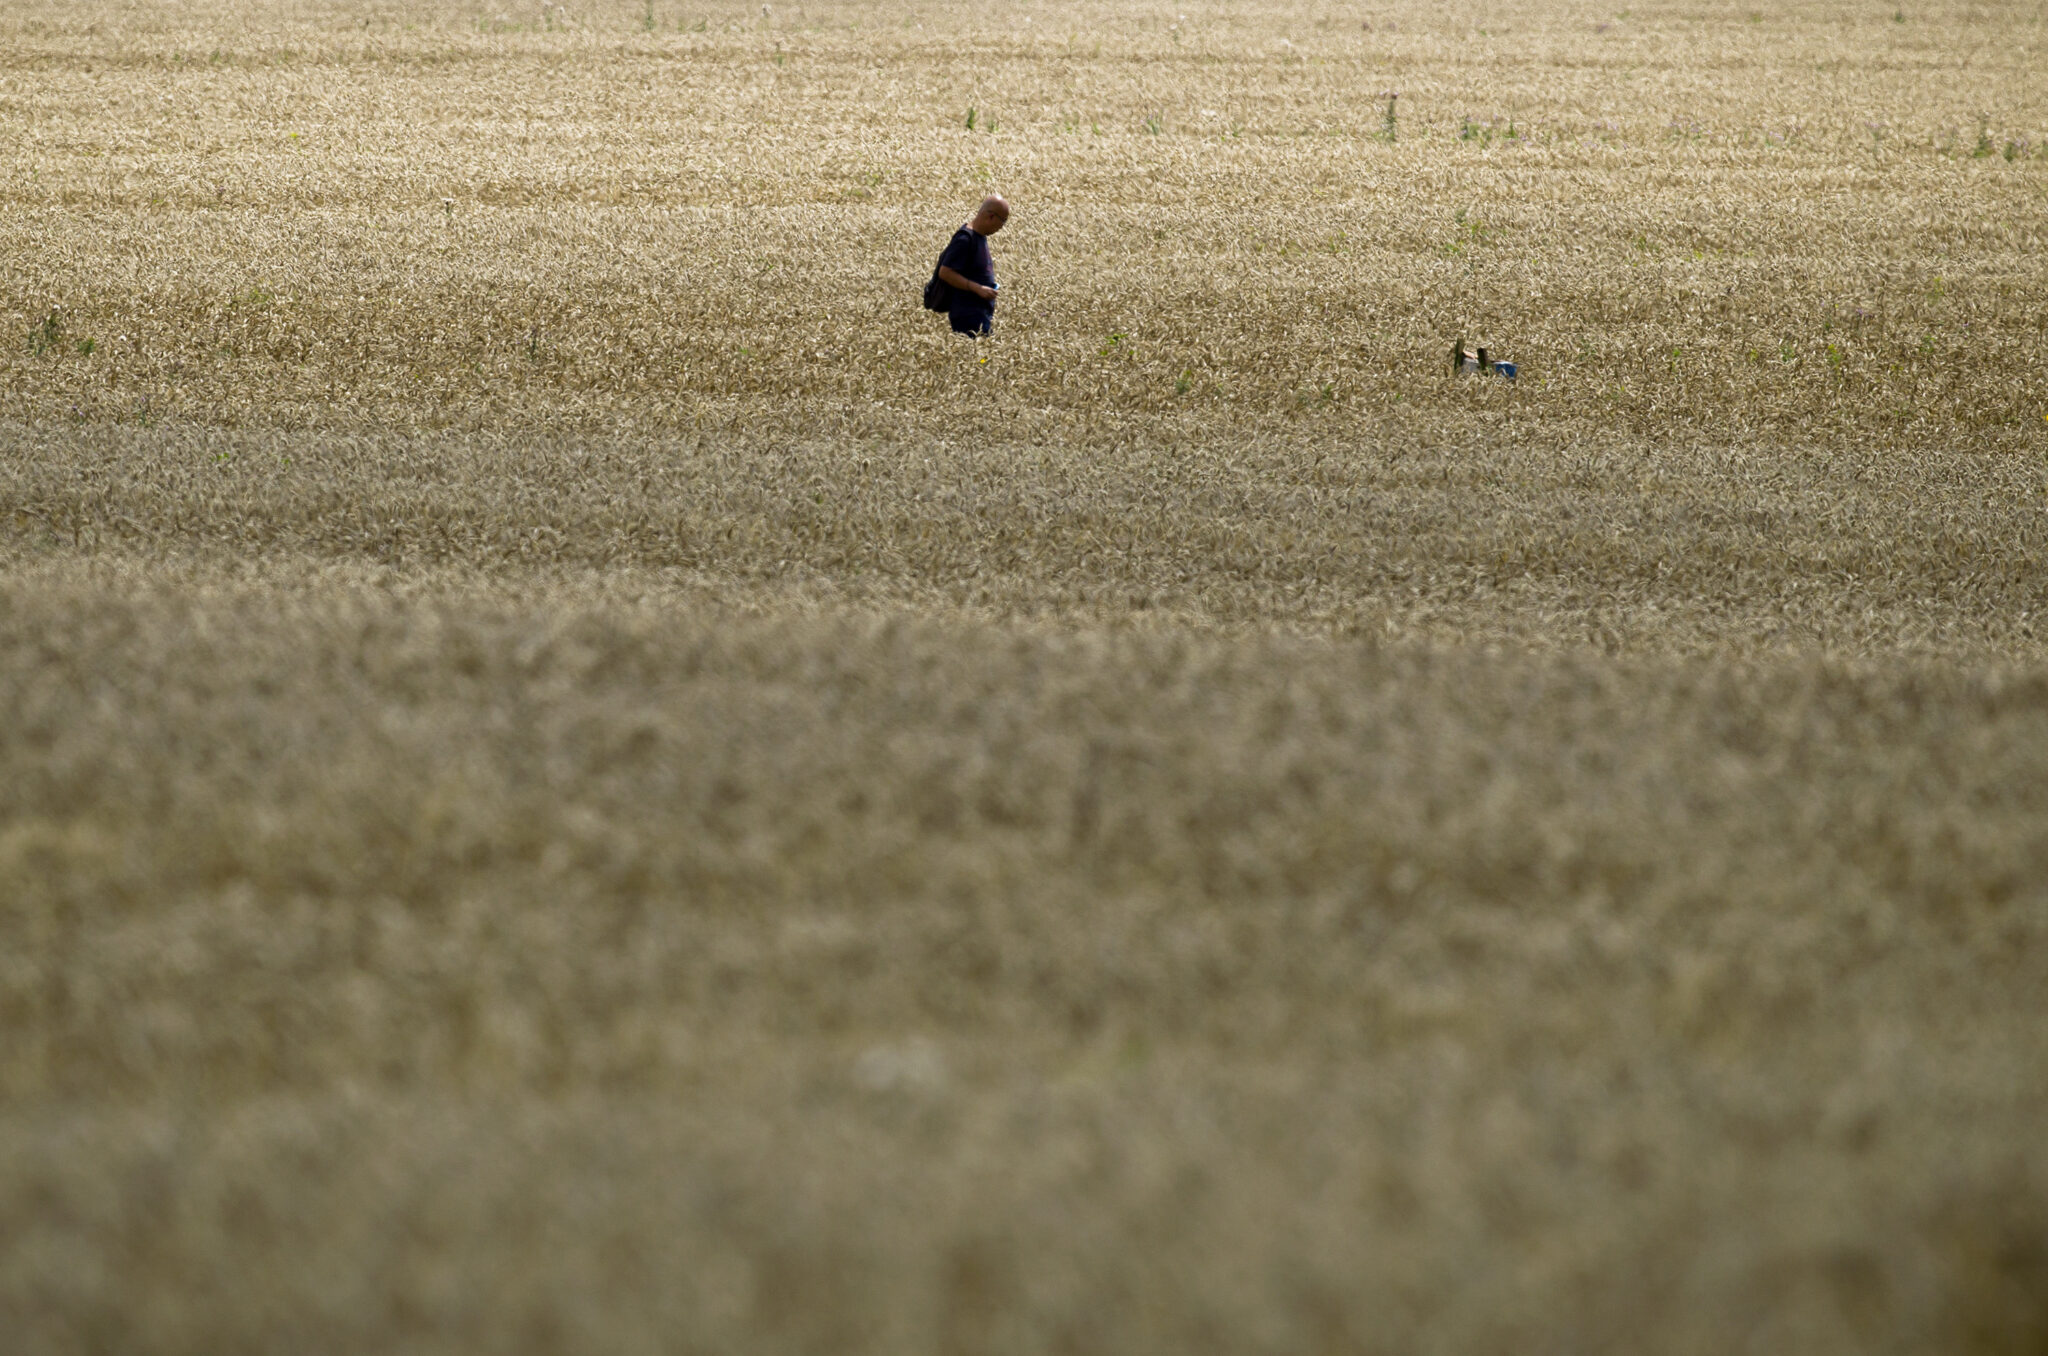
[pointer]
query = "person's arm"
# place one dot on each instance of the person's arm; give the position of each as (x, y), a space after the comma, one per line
(954, 278)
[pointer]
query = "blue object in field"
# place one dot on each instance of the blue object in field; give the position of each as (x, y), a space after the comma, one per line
(1478, 360)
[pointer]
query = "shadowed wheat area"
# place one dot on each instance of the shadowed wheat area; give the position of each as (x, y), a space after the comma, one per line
(578, 776)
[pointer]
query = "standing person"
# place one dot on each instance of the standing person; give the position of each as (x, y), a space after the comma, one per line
(969, 271)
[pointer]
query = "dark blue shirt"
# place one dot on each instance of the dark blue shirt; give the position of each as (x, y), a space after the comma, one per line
(967, 254)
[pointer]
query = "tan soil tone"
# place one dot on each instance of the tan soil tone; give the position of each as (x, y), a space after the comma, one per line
(576, 776)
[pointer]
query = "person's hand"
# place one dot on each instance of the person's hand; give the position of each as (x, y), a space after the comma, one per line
(987, 293)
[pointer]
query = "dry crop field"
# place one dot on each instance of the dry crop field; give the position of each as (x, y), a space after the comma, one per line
(577, 776)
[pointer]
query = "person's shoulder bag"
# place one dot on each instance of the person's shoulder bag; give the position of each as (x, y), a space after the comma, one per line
(938, 293)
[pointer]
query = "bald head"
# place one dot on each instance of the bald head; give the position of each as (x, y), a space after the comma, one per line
(990, 216)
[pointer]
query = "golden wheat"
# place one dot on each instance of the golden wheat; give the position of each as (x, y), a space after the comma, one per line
(578, 775)
(1746, 226)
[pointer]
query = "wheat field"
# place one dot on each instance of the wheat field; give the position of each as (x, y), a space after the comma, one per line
(579, 776)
